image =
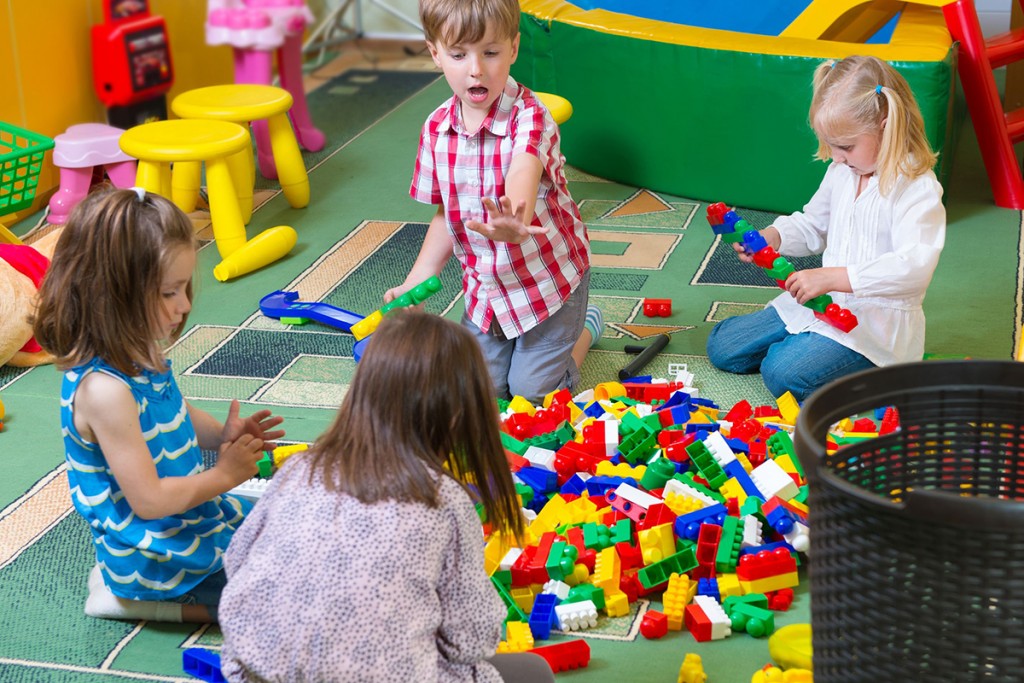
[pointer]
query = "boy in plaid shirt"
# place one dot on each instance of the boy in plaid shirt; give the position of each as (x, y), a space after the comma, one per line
(489, 159)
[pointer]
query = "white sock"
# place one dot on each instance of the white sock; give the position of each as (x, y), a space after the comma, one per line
(103, 604)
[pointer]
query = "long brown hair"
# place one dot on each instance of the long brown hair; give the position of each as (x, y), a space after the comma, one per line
(420, 405)
(855, 96)
(101, 293)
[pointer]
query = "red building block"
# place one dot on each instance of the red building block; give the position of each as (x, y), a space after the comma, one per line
(570, 654)
(657, 308)
(654, 625)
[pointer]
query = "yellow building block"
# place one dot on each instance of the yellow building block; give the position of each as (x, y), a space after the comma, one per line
(657, 543)
(606, 469)
(676, 597)
(680, 504)
(282, 453)
(692, 670)
(523, 596)
(608, 390)
(577, 511)
(549, 517)
(607, 570)
(770, 583)
(788, 407)
(729, 585)
(616, 604)
(518, 404)
(733, 489)
(744, 460)
(518, 637)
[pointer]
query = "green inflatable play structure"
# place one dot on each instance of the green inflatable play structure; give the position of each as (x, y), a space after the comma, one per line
(716, 109)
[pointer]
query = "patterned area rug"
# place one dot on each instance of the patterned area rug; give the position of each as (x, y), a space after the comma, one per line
(358, 237)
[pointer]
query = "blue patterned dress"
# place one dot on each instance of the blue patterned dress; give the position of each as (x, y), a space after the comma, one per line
(147, 559)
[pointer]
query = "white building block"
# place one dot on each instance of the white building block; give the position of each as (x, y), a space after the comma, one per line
(578, 616)
(771, 480)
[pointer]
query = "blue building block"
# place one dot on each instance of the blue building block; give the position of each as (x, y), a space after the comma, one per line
(688, 525)
(574, 485)
(538, 479)
(709, 587)
(202, 664)
(543, 617)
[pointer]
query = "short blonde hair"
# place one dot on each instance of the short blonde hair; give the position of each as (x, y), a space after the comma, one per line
(466, 21)
(854, 97)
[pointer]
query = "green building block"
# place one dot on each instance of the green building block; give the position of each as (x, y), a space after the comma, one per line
(658, 573)
(586, 591)
(657, 474)
(596, 536)
(729, 545)
(705, 462)
(622, 531)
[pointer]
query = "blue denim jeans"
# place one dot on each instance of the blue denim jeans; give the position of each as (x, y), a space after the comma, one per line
(540, 361)
(798, 363)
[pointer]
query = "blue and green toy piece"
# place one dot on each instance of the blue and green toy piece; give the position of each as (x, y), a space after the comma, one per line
(286, 307)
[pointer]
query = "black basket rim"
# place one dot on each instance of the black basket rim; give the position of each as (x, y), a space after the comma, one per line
(893, 385)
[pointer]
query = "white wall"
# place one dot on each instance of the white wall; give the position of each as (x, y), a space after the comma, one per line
(994, 15)
(378, 20)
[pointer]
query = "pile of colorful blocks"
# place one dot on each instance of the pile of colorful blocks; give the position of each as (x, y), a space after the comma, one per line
(645, 489)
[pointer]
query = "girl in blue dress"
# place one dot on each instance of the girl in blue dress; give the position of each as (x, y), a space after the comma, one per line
(118, 290)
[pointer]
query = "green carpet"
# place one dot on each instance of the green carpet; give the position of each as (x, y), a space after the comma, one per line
(358, 236)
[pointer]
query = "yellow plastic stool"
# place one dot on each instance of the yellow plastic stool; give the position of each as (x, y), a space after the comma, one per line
(560, 108)
(191, 142)
(244, 103)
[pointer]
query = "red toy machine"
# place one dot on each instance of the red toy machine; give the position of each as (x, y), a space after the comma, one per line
(131, 63)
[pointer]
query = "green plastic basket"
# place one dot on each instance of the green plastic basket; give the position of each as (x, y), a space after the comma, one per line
(21, 159)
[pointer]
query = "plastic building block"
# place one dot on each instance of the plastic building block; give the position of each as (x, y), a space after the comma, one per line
(776, 267)
(414, 296)
(518, 638)
(756, 621)
(771, 480)
(542, 617)
(679, 592)
(202, 664)
(252, 489)
(654, 625)
(692, 670)
(657, 308)
(566, 655)
(658, 573)
(286, 307)
(705, 619)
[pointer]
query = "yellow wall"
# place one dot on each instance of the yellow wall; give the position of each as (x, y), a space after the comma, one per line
(46, 63)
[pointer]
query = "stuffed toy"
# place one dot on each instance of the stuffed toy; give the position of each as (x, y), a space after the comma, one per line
(21, 270)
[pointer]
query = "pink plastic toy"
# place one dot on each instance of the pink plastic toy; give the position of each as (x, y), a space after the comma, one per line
(255, 29)
(83, 153)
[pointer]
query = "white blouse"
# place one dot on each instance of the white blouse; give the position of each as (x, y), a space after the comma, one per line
(890, 247)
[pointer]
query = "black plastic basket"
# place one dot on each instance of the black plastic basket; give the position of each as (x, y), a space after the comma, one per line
(917, 537)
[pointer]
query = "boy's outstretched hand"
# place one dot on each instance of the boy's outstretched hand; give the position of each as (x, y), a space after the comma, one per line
(258, 425)
(506, 224)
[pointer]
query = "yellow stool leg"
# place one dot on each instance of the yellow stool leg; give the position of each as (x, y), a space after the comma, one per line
(228, 228)
(291, 171)
(8, 236)
(148, 176)
(241, 169)
(185, 181)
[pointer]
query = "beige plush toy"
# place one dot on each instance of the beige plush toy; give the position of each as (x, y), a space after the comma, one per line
(17, 302)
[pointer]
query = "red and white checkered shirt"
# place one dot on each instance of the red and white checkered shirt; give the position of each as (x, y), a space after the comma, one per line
(519, 285)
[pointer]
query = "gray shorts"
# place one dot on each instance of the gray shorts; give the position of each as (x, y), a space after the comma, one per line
(540, 361)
